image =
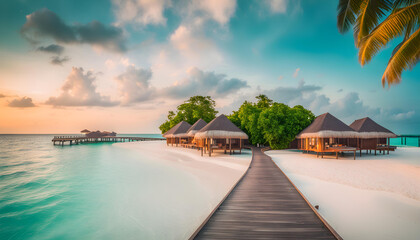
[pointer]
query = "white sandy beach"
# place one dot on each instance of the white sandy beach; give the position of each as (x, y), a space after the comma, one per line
(183, 205)
(372, 197)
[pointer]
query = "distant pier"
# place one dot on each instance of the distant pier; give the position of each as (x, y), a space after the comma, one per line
(71, 140)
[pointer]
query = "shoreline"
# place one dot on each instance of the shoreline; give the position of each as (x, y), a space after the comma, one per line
(346, 189)
(215, 175)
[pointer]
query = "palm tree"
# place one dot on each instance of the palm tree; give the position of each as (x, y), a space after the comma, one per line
(371, 35)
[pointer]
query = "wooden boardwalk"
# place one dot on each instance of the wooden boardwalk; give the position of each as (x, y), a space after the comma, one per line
(265, 205)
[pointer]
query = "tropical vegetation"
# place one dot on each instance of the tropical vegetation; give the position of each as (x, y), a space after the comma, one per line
(190, 111)
(271, 123)
(266, 122)
(375, 24)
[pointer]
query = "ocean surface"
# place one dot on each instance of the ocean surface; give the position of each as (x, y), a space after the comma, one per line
(410, 142)
(86, 191)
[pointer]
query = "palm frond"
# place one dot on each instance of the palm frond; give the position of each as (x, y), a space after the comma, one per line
(369, 14)
(403, 3)
(347, 11)
(405, 55)
(392, 27)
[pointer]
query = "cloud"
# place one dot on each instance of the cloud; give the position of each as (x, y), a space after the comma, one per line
(403, 115)
(46, 24)
(185, 40)
(349, 107)
(273, 7)
(97, 34)
(2, 95)
(277, 6)
(52, 48)
(134, 85)
(143, 12)
(340, 90)
(280, 78)
(296, 73)
(24, 102)
(199, 82)
(290, 94)
(57, 60)
(79, 89)
(219, 10)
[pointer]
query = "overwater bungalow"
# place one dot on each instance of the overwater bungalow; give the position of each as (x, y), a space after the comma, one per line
(187, 139)
(85, 131)
(174, 135)
(99, 134)
(371, 136)
(327, 134)
(220, 134)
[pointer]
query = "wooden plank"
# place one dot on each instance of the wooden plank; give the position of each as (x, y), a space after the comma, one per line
(265, 205)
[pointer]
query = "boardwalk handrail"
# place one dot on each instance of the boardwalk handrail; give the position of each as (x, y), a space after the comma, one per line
(221, 202)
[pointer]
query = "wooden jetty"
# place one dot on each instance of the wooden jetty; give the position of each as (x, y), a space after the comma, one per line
(265, 205)
(62, 140)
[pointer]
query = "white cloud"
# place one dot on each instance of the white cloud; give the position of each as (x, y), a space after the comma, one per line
(185, 40)
(277, 6)
(200, 82)
(79, 89)
(290, 7)
(219, 10)
(143, 12)
(403, 115)
(134, 85)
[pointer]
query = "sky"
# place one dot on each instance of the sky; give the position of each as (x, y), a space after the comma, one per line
(121, 65)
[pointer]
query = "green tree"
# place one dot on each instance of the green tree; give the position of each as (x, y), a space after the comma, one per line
(269, 122)
(371, 35)
(247, 117)
(280, 124)
(190, 111)
(263, 101)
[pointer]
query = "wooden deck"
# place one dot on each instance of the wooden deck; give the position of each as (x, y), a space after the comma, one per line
(61, 140)
(265, 205)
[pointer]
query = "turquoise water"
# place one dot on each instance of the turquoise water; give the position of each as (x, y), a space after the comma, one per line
(411, 141)
(87, 191)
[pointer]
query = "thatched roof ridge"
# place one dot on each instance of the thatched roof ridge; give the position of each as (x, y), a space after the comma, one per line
(221, 127)
(181, 127)
(367, 128)
(326, 126)
(196, 127)
(193, 129)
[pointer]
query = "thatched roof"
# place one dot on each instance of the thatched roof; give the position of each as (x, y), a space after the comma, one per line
(85, 131)
(221, 127)
(367, 128)
(326, 126)
(193, 129)
(96, 134)
(181, 127)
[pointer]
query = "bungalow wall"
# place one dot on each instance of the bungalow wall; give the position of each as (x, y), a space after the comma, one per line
(320, 144)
